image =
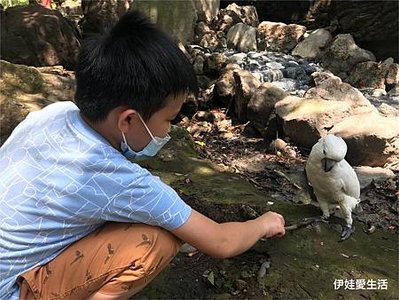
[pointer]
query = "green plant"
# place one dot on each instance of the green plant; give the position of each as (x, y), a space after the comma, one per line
(10, 3)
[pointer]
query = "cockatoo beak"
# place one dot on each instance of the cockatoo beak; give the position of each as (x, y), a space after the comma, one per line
(328, 164)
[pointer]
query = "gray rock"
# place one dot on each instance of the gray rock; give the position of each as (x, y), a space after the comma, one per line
(367, 175)
(245, 86)
(286, 84)
(274, 65)
(313, 45)
(242, 37)
(261, 105)
(343, 54)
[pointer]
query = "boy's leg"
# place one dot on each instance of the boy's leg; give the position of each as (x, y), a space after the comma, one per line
(117, 260)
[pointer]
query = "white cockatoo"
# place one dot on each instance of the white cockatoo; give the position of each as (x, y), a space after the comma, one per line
(333, 180)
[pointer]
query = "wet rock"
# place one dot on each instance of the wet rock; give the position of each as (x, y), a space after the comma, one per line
(274, 65)
(286, 84)
(201, 28)
(293, 72)
(216, 62)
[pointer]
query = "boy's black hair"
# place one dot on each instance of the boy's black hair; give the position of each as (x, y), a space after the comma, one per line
(134, 64)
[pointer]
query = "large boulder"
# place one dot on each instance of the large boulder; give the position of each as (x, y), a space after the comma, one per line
(372, 139)
(245, 86)
(374, 75)
(224, 20)
(313, 45)
(373, 24)
(225, 85)
(331, 87)
(280, 37)
(242, 37)
(247, 14)
(207, 9)
(100, 14)
(36, 36)
(306, 119)
(343, 54)
(25, 89)
(367, 74)
(176, 17)
(336, 107)
(261, 107)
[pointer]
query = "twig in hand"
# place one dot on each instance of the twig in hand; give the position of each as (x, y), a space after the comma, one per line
(303, 223)
(289, 179)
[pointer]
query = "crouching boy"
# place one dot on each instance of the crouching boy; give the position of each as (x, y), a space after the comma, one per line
(78, 218)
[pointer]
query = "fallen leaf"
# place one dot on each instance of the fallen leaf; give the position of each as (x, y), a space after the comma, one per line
(200, 143)
(211, 278)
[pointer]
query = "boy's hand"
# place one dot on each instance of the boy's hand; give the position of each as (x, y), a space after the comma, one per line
(272, 223)
(228, 239)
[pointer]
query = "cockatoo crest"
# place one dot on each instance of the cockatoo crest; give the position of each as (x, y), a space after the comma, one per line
(334, 147)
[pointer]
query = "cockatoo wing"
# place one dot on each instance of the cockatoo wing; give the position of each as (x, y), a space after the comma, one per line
(348, 179)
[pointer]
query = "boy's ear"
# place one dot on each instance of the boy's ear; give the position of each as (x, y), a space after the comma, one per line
(126, 119)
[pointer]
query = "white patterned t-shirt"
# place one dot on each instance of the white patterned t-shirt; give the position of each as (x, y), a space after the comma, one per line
(59, 181)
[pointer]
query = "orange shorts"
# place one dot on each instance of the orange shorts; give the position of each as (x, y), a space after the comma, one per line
(118, 259)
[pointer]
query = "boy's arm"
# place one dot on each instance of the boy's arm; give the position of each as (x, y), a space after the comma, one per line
(228, 239)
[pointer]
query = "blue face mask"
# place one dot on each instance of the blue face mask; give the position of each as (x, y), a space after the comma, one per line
(150, 150)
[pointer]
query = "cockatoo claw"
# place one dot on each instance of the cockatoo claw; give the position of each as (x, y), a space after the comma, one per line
(346, 232)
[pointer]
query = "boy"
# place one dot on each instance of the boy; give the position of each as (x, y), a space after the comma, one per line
(78, 219)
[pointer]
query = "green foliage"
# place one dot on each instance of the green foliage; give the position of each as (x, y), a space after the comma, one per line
(10, 3)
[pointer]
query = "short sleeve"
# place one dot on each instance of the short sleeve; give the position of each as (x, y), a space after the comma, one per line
(146, 199)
